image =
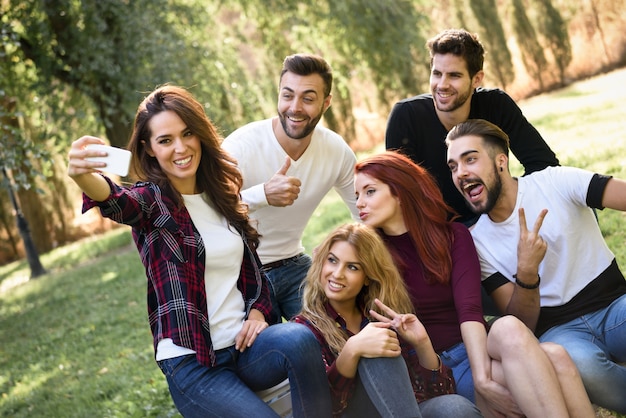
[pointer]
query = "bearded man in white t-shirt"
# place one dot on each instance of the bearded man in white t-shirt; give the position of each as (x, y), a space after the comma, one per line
(289, 163)
(555, 272)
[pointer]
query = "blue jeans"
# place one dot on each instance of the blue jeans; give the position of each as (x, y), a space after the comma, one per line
(228, 389)
(595, 342)
(446, 406)
(456, 359)
(285, 291)
(383, 389)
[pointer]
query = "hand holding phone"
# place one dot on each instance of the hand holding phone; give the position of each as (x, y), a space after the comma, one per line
(117, 159)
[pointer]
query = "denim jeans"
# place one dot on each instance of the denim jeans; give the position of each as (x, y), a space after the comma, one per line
(446, 406)
(384, 389)
(228, 389)
(456, 359)
(285, 289)
(595, 342)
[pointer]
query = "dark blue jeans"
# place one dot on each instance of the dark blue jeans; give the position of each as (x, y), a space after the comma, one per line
(285, 289)
(228, 389)
(456, 359)
(383, 389)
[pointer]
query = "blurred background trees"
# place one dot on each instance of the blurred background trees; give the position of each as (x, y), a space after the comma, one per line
(75, 67)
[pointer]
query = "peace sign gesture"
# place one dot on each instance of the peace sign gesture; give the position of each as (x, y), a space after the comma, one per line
(531, 248)
(407, 325)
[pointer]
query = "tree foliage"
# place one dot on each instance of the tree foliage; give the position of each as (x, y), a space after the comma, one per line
(532, 51)
(75, 67)
(492, 34)
(554, 29)
(380, 43)
(107, 51)
(18, 149)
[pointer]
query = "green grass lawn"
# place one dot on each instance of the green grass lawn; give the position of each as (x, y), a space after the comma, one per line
(76, 342)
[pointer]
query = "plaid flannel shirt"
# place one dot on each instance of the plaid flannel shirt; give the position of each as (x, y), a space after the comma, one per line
(172, 253)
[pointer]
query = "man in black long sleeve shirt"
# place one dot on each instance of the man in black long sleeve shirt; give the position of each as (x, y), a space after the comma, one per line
(418, 126)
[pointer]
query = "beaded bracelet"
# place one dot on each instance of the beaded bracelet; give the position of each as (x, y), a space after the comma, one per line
(527, 286)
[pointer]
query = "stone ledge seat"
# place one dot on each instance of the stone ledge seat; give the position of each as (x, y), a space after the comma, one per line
(278, 398)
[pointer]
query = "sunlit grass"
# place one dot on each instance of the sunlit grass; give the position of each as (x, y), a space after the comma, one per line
(76, 342)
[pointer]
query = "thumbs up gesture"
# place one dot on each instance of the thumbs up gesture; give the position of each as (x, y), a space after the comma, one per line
(282, 190)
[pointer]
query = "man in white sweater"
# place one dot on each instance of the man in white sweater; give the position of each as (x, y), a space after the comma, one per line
(289, 164)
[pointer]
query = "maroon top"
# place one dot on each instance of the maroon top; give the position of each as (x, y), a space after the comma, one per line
(442, 308)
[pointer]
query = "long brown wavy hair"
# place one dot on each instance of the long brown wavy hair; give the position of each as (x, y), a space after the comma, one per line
(217, 176)
(385, 282)
(424, 211)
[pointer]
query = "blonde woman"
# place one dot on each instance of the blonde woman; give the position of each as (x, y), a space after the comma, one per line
(379, 359)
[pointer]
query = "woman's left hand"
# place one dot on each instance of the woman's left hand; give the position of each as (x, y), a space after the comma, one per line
(252, 327)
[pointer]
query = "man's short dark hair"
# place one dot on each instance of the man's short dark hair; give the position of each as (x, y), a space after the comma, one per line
(461, 43)
(307, 64)
(496, 140)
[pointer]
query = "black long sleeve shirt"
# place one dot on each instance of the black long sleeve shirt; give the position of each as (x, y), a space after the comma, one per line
(414, 129)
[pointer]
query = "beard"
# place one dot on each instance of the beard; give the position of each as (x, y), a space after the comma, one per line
(302, 132)
(493, 194)
(454, 105)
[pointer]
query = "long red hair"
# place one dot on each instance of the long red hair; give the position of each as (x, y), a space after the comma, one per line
(425, 213)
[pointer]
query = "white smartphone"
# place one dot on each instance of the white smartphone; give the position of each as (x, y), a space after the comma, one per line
(117, 159)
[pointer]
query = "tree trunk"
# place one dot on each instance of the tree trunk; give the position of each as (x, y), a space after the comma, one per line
(8, 240)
